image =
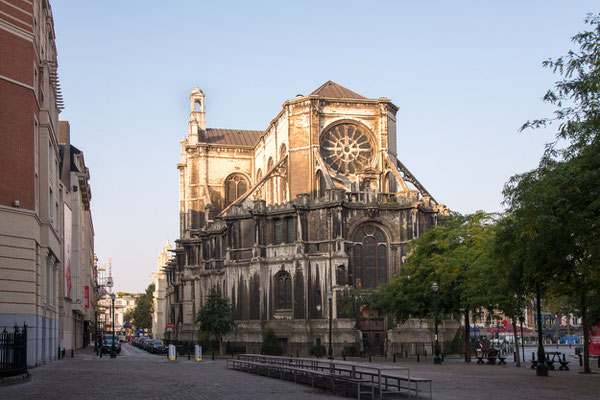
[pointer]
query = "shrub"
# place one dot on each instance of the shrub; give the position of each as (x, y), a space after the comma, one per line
(318, 350)
(270, 346)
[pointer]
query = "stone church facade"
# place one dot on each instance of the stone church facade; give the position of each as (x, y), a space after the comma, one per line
(315, 206)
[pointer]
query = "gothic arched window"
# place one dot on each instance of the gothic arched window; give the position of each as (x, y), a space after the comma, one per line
(389, 184)
(283, 291)
(369, 261)
(320, 181)
(270, 184)
(235, 186)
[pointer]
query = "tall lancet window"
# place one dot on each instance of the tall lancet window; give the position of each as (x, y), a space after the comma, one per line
(235, 186)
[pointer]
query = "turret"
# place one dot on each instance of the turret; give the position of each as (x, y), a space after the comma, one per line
(197, 121)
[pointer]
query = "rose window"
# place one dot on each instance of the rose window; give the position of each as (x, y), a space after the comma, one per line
(346, 148)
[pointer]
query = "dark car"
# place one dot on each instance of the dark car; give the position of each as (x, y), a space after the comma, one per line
(157, 346)
(108, 343)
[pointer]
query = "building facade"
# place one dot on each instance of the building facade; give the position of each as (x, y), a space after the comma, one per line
(159, 309)
(77, 289)
(291, 222)
(47, 271)
(30, 189)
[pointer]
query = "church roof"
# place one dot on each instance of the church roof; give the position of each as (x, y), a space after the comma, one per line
(235, 137)
(333, 90)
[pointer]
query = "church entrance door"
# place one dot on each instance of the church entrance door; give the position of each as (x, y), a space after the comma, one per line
(372, 327)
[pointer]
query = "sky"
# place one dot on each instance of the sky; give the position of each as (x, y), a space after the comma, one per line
(466, 75)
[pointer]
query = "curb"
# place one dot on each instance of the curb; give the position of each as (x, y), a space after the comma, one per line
(15, 380)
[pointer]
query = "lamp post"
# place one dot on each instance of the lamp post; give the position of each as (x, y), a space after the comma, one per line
(437, 359)
(112, 342)
(330, 352)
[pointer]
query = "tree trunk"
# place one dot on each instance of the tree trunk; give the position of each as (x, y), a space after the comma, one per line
(467, 337)
(220, 344)
(557, 329)
(516, 349)
(586, 333)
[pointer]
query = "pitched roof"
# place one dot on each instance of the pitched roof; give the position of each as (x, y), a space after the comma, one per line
(235, 137)
(333, 90)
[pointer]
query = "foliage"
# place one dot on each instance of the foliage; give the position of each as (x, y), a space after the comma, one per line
(351, 351)
(454, 255)
(318, 350)
(216, 316)
(270, 346)
(141, 317)
(557, 205)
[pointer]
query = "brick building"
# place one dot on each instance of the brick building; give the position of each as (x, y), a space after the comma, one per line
(36, 194)
(317, 206)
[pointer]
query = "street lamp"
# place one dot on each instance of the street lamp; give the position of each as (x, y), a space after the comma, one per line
(112, 345)
(330, 352)
(437, 359)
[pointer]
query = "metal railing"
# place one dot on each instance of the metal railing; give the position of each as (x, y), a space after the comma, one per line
(13, 352)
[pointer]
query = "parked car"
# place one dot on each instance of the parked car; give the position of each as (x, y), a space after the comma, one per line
(108, 343)
(157, 346)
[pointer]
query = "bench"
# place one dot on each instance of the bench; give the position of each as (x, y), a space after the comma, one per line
(316, 378)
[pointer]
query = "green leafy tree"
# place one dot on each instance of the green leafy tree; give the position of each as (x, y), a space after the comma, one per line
(141, 317)
(452, 255)
(558, 203)
(216, 317)
(271, 346)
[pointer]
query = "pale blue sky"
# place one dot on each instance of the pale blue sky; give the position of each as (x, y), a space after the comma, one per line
(465, 74)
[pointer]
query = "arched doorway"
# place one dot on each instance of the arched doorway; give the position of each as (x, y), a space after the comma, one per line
(369, 268)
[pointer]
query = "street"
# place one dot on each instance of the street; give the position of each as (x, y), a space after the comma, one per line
(137, 374)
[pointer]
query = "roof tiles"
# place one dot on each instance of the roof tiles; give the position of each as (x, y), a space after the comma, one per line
(333, 90)
(234, 137)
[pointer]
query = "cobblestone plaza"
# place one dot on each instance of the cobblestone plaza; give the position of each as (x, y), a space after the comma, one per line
(136, 374)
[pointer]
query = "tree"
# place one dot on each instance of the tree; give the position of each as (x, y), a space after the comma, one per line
(558, 203)
(451, 255)
(142, 313)
(271, 346)
(216, 317)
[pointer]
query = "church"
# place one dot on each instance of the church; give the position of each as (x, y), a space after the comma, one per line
(290, 223)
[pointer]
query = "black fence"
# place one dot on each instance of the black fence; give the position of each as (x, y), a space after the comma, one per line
(13, 352)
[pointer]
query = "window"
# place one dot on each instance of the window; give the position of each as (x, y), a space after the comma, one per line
(291, 230)
(283, 287)
(389, 184)
(270, 191)
(278, 231)
(320, 181)
(235, 186)
(347, 148)
(369, 262)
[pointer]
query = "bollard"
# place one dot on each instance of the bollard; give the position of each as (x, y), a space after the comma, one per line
(344, 355)
(189, 355)
(297, 356)
(72, 353)
(63, 353)
(418, 357)
(394, 357)
(405, 353)
(443, 356)
(532, 356)
(580, 361)
(58, 353)
(213, 356)
(369, 358)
